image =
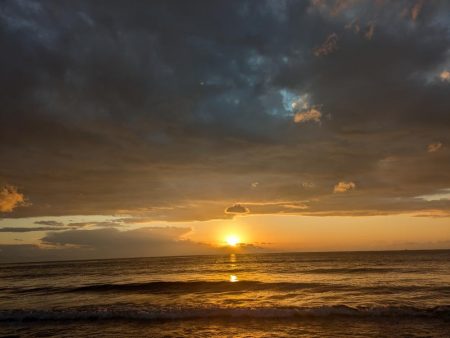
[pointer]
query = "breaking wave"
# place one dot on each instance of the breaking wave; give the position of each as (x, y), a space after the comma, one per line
(141, 314)
(179, 287)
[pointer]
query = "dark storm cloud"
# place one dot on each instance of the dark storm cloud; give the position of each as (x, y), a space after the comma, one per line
(170, 110)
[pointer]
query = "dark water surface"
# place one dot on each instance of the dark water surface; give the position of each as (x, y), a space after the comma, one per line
(362, 294)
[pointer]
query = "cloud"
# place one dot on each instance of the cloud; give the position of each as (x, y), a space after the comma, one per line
(333, 8)
(434, 147)
(34, 229)
(328, 46)
(127, 127)
(416, 9)
(10, 198)
(311, 115)
(94, 224)
(103, 224)
(308, 185)
(236, 209)
(441, 194)
(283, 207)
(50, 223)
(370, 30)
(445, 75)
(344, 187)
(110, 237)
(113, 243)
(353, 25)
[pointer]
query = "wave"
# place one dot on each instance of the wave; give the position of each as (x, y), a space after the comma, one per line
(104, 313)
(179, 287)
(355, 270)
(197, 286)
(223, 270)
(172, 287)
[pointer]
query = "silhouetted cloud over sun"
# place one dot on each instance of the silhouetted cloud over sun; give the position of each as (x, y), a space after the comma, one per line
(236, 209)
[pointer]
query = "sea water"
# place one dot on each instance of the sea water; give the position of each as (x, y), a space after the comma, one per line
(358, 294)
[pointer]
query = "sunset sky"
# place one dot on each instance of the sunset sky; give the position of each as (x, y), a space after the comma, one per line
(163, 127)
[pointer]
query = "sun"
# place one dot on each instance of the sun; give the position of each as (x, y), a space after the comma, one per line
(232, 240)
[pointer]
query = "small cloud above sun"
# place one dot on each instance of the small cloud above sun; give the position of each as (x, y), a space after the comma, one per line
(232, 240)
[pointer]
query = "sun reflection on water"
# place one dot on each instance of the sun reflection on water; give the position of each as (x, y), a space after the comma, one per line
(233, 261)
(233, 278)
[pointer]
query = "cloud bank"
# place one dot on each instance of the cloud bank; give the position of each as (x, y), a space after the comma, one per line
(113, 243)
(170, 110)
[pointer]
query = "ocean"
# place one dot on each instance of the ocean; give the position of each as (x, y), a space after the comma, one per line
(354, 294)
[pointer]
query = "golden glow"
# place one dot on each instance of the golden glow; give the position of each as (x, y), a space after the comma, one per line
(232, 240)
(233, 278)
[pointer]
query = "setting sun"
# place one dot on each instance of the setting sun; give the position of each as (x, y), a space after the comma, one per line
(232, 240)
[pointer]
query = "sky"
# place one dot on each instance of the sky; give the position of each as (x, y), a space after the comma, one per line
(160, 128)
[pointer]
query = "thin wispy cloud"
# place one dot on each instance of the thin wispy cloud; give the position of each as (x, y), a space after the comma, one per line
(434, 147)
(416, 9)
(328, 46)
(30, 229)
